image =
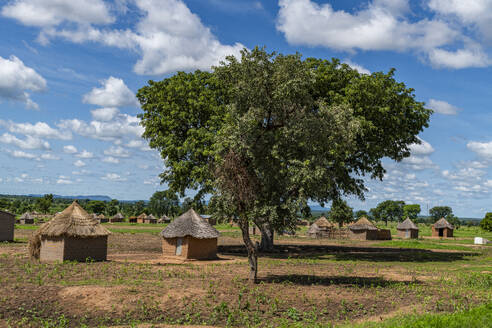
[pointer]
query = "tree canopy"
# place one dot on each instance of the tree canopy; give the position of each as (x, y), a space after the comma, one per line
(411, 211)
(340, 212)
(438, 212)
(389, 210)
(266, 133)
(486, 223)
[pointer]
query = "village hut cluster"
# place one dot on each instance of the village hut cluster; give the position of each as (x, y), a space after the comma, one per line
(75, 235)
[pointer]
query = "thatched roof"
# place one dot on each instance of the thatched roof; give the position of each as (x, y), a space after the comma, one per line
(74, 221)
(407, 225)
(101, 216)
(362, 224)
(322, 222)
(314, 228)
(151, 217)
(8, 213)
(118, 216)
(26, 216)
(142, 216)
(443, 223)
(190, 224)
(165, 218)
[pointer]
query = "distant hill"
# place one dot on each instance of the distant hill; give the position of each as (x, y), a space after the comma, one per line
(90, 197)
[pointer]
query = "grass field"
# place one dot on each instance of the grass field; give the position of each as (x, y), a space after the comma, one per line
(303, 283)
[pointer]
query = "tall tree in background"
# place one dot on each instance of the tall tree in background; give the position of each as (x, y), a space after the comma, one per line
(389, 210)
(138, 207)
(96, 206)
(411, 211)
(267, 133)
(44, 204)
(438, 212)
(164, 202)
(340, 212)
(112, 207)
(360, 213)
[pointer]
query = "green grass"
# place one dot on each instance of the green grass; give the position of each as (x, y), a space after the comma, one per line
(479, 317)
(418, 244)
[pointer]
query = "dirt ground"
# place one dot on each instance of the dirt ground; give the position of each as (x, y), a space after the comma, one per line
(303, 281)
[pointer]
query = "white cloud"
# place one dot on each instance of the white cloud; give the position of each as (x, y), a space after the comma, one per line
(482, 149)
(357, 67)
(113, 177)
(64, 181)
(104, 114)
(28, 143)
(50, 157)
(424, 148)
(17, 79)
(22, 154)
(419, 162)
(39, 129)
(462, 58)
(69, 149)
(140, 144)
(113, 93)
(442, 107)
(117, 152)
(79, 163)
(81, 172)
(46, 13)
(85, 154)
(111, 160)
(168, 36)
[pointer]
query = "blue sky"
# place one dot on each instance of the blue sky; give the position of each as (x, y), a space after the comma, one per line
(69, 71)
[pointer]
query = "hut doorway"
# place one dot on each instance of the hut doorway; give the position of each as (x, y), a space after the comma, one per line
(179, 243)
(441, 232)
(407, 234)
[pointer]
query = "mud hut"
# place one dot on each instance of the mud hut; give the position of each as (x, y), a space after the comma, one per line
(102, 218)
(321, 228)
(71, 235)
(363, 229)
(407, 229)
(164, 219)
(442, 228)
(132, 219)
(7, 223)
(26, 218)
(117, 218)
(141, 218)
(191, 237)
(150, 219)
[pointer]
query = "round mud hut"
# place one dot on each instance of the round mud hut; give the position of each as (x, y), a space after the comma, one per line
(363, 229)
(150, 219)
(407, 229)
(321, 228)
(191, 237)
(72, 235)
(141, 218)
(442, 228)
(117, 218)
(26, 218)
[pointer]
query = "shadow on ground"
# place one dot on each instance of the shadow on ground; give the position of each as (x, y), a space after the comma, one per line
(347, 253)
(308, 280)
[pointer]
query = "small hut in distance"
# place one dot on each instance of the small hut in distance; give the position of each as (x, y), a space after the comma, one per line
(164, 219)
(71, 235)
(150, 219)
(141, 218)
(407, 229)
(7, 223)
(117, 218)
(363, 229)
(442, 228)
(191, 237)
(321, 228)
(26, 218)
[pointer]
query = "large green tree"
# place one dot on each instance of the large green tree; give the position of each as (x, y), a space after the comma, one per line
(486, 223)
(438, 212)
(340, 212)
(389, 210)
(266, 133)
(164, 202)
(411, 211)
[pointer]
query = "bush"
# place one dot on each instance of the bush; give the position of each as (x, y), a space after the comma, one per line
(486, 223)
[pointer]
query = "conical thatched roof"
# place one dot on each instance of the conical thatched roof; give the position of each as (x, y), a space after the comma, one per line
(101, 216)
(407, 225)
(443, 223)
(322, 222)
(190, 224)
(151, 217)
(165, 218)
(362, 224)
(142, 216)
(118, 216)
(26, 216)
(74, 221)
(314, 228)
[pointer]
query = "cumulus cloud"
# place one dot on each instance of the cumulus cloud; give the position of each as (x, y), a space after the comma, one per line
(442, 107)
(389, 25)
(28, 143)
(17, 79)
(113, 177)
(113, 93)
(22, 154)
(50, 157)
(482, 149)
(79, 163)
(39, 129)
(69, 149)
(357, 67)
(424, 148)
(64, 181)
(47, 13)
(85, 154)
(111, 160)
(168, 36)
(117, 152)
(104, 114)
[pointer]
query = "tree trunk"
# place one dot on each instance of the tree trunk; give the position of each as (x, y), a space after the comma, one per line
(267, 235)
(251, 248)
